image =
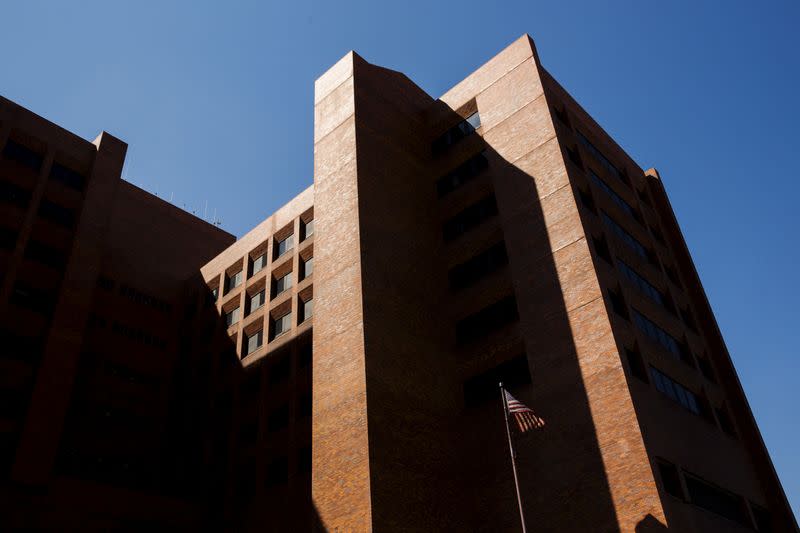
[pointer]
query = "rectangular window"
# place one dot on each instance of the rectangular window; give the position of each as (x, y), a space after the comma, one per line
(483, 387)
(281, 284)
(618, 303)
(306, 309)
(23, 155)
(215, 294)
(67, 176)
(667, 341)
(464, 173)
(642, 284)
(487, 320)
(636, 364)
(616, 198)
(478, 267)
(602, 159)
(63, 216)
(307, 267)
(233, 281)
(254, 342)
(675, 391)
(281, 247)
(46, 255)
(716, 500)
(461, 130)
(470, 217)
(258, 264)
(257, 300)
(601, 248)
(627, 238)
(308, 228)
(282, 325)
(232, 317)
(670, 478)
(11, 194)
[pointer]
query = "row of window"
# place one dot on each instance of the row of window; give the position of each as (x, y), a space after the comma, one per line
(470, 217)
(679, 350)
(463, 129)
(58, 172)
(631, 241)
(277, 325)
(481, 265)
(464, 173)
(488, 319)
(602, 159)
(712, 498)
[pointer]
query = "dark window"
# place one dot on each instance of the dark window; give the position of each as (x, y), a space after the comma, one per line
(306, 309)
(139, 297)
(232, 317)
(636, 364)
(676, 392)
(28, 297)
(644, 197)
(214, 294)
(601, 248)
(63, 216)
(12, 194)
(575, 157)
(725, 421)
(487, 319)
(283, 246)
(281, 284)
(67, 176)
(616, 198)
(281, 325)
(608, 165)
(561, 115)
(657, 235)
(642, 284)
(280, 370)
(667, 341)
(307, 228)
(484, 387)
(716, 500)
(479, 266)
(8, 239)
(587, 200)
(673, 276)
(618, 303)
(278, 418)
(277, 472)
(628, 239)
(23, 155)
(105, 283)
(257, 300)
(762, 518)
(464, 173)
(463, 129)
(707, 369)
(232, 281)
(470, 217)
(688, 319)
(670, 479)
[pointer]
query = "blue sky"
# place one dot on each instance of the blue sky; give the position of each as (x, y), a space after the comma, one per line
(216, 103)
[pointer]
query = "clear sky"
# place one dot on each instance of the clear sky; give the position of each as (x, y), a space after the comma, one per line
(216, 103)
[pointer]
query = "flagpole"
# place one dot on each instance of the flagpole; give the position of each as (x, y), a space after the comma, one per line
(513, 457)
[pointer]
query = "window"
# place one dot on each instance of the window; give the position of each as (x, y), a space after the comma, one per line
(67, 176)
(232, 317)
(601, 248)
(725, 421)
(308, 228)
(587, 200)
(479, 266)
(258, 299)
(717, 500)
(232, 281)
(484, 387)
(215, 294)
(253, 342)
(470, 217)
(11, 194)
(561, 115)
(670, 478)
(627, 238)
(306, 309)
(707, 369)
(618, 303)
(617, 199)
(39, 300)
(46, 255)
(688, 319)
(600, 157)
(673, 275)
(642, 284)
(23, 155)
(278, 418)
(283, 246)
(306, 267)
(575, 157)
(487, 320)
(258, 264)
(676, 392)
(667, 341)
(281, 325)
(461, 130)
(281, 284)
(762, 518)
(464, 173)
(636, 364)
(63, 216)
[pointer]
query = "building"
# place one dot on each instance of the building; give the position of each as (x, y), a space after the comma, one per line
(336, 367)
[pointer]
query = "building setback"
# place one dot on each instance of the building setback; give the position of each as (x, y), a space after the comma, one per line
(336, 368)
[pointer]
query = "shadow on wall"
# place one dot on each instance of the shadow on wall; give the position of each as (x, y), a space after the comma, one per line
(650, 525)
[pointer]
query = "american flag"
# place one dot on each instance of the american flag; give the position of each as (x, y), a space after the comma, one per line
(525, 417)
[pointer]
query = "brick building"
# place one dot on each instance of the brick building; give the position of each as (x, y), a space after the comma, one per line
(336, 367)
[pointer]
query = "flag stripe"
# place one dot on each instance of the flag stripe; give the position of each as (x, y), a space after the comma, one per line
(525, 418)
